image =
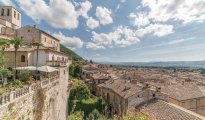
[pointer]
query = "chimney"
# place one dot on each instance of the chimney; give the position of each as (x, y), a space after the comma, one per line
(34, 26)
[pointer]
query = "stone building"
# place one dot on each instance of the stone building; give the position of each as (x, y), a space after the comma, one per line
(89, 70)
(26, 101)
(10, 21)
(26, 56)
(122, 95)
(190, 97)
(97, 79)
(32, 34)
(161, 110)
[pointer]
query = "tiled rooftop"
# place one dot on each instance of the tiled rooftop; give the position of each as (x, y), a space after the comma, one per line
(183, 92)
(161, 110)
(122, 87)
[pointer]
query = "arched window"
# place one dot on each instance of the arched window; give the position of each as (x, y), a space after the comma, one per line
(8, 12)
(23, 58)
(2, 12)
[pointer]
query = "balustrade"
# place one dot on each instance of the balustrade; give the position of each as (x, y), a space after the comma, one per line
(7, 97)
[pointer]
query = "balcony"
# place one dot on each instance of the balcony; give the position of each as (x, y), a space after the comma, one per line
(56, 63)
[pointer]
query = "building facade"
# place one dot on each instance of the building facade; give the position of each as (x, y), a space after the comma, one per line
(10, 21)
(32, 34)
(26, 56)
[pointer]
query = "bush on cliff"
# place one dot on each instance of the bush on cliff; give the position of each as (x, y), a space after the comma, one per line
(79, 90)
(75, 70)
(76, 116)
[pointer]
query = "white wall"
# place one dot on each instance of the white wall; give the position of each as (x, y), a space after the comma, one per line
(42, 57)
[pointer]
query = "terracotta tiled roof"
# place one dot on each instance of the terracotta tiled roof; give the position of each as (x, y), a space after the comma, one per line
(100, 76)
(161, 110)
(183, 92)
(122, 87)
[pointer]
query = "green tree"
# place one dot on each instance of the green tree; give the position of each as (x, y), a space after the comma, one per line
(37, 45)
(3, 44)
(71, 69)
(91, 61)
(76, 116)
(95, 115)
(25, 75)
(79, 91)
(17, 42)
(4, 73)
(137, 116)
(75, 70)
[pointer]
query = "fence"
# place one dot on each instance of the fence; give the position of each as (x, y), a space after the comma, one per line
(11, 96)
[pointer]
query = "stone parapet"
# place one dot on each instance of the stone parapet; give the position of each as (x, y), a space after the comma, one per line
(11, 96)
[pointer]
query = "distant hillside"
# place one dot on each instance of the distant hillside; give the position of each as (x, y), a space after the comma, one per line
(195, 64)
(70, 53)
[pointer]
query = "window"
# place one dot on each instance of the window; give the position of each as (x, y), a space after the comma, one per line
(2, 12)
(23, 58)
(45, 39)
(8, 12)
(2, 30)
(18, 16)
(14, 14)
(28, 30)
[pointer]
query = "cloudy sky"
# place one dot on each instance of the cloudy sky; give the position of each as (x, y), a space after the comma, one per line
(122, 30)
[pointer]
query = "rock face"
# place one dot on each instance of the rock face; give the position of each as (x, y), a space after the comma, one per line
(45, 101)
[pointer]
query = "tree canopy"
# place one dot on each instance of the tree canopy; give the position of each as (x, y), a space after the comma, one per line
(79, 91)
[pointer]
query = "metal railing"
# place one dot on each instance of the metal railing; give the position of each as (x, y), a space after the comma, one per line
(56, 63)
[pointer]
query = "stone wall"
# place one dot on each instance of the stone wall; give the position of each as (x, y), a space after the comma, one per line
(46, 100)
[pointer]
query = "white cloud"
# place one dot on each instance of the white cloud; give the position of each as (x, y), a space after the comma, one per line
(181, 10)
(94, 46)
(7, 2)
(85, 7)
(179, 41)
(57, 13)
(139, 19)
(158, 30)
(71, 42)
(92, 23)
(121, 37)
(104, 15)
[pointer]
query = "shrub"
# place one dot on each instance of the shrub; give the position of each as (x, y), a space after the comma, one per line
(76, 116)
(95, 115)
(75, 70)
(17, 83)
(79, 91)
(136, 116)
(25, 75)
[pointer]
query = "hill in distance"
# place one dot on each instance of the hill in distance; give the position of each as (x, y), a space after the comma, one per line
(196, 64)
(70, 53)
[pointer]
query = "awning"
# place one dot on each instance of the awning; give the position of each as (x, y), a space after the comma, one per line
(26, 68)
(47, 69)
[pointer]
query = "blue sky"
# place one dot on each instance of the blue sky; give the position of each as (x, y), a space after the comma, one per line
(122, 30)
